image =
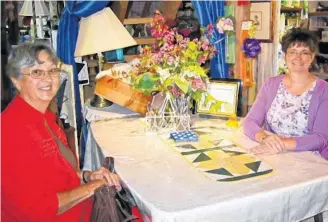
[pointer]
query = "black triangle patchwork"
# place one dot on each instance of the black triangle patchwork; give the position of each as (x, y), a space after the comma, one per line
(187, 146)
(220, 171)
(235, 153)
(254, 166)
(201, 157)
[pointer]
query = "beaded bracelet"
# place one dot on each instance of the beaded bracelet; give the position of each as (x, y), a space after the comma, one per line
(83, 178)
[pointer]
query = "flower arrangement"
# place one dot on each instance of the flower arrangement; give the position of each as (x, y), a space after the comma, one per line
(225, 24)
(174, 65)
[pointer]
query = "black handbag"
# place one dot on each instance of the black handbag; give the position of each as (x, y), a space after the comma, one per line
(105, 207)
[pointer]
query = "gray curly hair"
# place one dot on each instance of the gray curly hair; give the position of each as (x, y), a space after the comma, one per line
(26, 55)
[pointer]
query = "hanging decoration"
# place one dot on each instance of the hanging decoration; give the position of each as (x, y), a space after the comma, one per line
(226, 25)
(251, 48)
(230, 44)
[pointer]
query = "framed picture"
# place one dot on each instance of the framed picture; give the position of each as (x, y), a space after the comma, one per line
(261, 15)
(225, 90)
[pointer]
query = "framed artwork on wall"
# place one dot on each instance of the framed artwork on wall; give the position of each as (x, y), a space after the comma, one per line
(225, 90)
(261, 15)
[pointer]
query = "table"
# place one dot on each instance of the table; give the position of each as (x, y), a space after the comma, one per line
(167, 188)
(93, 155)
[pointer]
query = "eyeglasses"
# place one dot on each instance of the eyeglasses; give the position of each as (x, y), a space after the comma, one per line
(39, 74)
(303, 54)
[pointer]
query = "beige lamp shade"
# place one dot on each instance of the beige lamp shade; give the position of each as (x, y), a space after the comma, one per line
(40, 8)
(102, 32)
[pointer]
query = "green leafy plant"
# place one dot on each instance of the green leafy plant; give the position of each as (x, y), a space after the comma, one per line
(175, 65)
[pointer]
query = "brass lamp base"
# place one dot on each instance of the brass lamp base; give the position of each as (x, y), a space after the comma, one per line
(98, 101)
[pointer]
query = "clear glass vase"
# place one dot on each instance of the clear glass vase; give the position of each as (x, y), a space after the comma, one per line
(172, 115)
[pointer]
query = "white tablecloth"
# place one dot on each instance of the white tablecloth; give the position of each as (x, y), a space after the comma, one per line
(169, 189)
(93, 154)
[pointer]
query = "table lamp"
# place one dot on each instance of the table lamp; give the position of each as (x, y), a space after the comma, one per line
(99, 33)
(33, 9)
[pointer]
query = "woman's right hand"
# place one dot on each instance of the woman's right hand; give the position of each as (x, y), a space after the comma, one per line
(112, 179)
(269, 145)
(274, 142)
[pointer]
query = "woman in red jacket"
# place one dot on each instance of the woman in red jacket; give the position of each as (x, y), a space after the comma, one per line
(40, 176)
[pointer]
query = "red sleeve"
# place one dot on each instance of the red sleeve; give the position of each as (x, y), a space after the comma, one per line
(25, 195)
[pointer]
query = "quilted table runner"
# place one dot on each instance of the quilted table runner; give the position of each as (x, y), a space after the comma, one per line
(219, 158)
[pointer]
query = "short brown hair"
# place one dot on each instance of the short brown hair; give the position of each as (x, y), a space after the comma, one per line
(300, 36)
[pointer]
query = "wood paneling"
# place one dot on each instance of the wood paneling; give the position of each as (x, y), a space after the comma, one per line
(132, 21)
(242, 13)
(120, 8)
(171, 8)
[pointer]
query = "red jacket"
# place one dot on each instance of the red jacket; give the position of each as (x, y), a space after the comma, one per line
(33, 170)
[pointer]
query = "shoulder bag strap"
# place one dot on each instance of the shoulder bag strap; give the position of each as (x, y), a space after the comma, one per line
(63, 150)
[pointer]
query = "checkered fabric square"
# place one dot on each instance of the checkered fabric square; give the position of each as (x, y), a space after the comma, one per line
(185, 136)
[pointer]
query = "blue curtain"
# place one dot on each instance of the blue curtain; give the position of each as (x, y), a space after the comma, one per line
(66, 40)
(208, 12)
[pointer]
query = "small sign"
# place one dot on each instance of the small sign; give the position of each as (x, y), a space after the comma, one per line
(246, 25)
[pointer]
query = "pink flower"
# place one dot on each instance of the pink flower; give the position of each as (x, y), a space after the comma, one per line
(225, 24)
(202, 59)
(185, 32)
(210, 30)
(205, 44)
(176, 91)
(170, 60)
(197, 83)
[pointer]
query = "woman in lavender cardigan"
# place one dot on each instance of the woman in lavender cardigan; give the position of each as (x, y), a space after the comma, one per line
(292, 108)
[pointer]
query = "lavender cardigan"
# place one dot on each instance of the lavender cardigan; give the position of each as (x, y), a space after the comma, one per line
(317, 138)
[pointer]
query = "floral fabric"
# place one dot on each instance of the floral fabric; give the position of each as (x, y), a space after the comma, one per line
(288, 114)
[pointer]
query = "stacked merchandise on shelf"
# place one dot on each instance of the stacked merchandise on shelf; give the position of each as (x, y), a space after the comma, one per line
(294, 14)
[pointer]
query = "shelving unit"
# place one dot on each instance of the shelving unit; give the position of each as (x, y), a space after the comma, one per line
(318, 20)
(121, 8)
(289, 17)
(318, 14)
(290, 9)
(297, 11)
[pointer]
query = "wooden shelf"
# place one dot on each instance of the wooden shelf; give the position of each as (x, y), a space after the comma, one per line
(322, 55)
(128, 58)
(318, 13)
(145, 40)
(318, 27)
(290, 9)
(321, 75)
(133, 21)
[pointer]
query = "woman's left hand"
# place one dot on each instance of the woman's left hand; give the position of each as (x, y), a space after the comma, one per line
(271, 144)
(102, 173)
(264, 150)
